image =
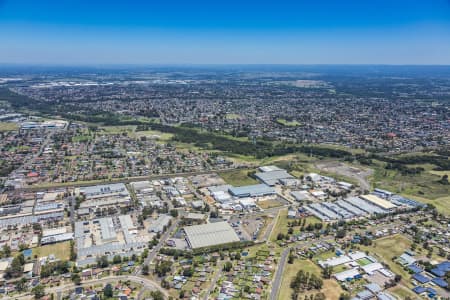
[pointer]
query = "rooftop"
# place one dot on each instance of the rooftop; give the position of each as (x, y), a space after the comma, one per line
(210, 234)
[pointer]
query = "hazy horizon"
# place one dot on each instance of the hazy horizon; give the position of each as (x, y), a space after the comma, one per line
(203, 33)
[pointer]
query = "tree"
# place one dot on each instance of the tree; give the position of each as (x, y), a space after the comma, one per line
(227, 266)
(327, 272)
(157, 295)
(73, 254)
(174, 213)
(117, 259)
(108, 291)
(145, 269)
(21, 285)
(38, 291)
(76, 279)
(102, 262)
(6, 251)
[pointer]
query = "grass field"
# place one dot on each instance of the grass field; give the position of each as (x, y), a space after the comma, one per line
(280, 226)
(60, 250)
(423, 185)
(364, 262)
(269, 204)
(238, 177)
(331, 288)
(232, 116)
(386, 248)
(287, 123)
(161, 136)
(81, 138)
(118, 129)
(7, 126)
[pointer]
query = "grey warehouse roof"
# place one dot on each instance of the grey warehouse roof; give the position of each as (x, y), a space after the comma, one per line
(252, 190)
(272, 177)
(211, 234)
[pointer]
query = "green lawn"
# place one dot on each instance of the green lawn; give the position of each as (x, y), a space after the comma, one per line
(364, 261)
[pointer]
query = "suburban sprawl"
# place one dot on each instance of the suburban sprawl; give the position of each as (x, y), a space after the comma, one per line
(198, 183)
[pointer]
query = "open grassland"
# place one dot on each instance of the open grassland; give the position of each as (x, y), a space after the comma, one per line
(238, 177)
(424, 186)
(118, 129)
(60, 250)
(389, 247)
(331, 288)
(7, 126)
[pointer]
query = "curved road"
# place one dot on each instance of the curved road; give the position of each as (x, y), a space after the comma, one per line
(147, 284)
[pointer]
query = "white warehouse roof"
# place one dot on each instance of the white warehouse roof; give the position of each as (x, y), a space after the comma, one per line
(210, 234)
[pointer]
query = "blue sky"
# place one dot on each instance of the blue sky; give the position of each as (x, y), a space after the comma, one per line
(225, 32)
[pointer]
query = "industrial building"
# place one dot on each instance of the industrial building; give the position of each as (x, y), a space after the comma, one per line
(256, 190)
(211, 234)
(106, 236)
(159, 224)
(104, 190)
(364, 205)
(273, 177)
(377, 201)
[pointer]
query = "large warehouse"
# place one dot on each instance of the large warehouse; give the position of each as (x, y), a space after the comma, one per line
(256, 190)
(210, 234)
(273, 177)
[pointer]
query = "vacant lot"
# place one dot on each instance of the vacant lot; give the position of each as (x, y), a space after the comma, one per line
(387, 248)
(238, 177)
(7, 126)
(269, 203)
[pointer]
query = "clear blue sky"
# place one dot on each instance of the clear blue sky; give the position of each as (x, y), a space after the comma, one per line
(225, 31)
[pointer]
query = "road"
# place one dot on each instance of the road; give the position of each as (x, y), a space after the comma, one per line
(120, 180)
(214, 281)
(59, 290)
(276, 283)
(162, 242)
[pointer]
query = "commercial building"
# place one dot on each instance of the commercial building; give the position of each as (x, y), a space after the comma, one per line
(211, 234)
